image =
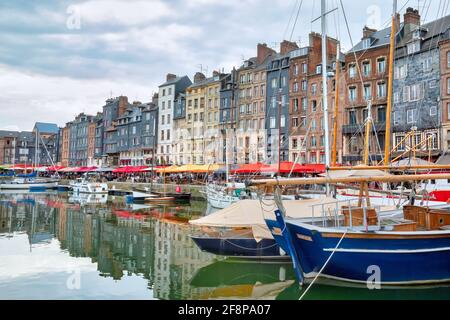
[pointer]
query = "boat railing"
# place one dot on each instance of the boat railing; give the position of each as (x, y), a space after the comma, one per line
(331, 211)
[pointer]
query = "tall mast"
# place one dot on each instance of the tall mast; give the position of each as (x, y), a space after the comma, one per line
(325, 89)
(36, 151)
(387, 143)
(336, 108)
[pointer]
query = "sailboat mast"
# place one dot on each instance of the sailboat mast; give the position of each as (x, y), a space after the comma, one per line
(325, 89)
(336, 108)
(387, 143)
(36, 147)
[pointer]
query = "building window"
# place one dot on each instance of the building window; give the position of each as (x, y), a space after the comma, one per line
(296, 69)
(381, 114)
(413, 47)
(427, 64)
(313, 105)
(432, 140)
(381, 65)
(274, 83)
(294, 143)
(313, 124)
(272, 123)
(366, 43)
(283, 121)
(352, 94)
(319, 69)
(416, 92)
(295, 87)
(352, 71)
(305, 66)
(352, 117)
(313, 142)
(283, 81)
(295, 105)
(399, 143)
(448, 85)
(304, 85)
(303, 122)
(304, 104)
(381, 89)
(366, 68)
(314, 88)
(411, 116)
(448, 111)
(433, 110)
(401, 72)
(295, 122)
(274, 102)
(367, 92)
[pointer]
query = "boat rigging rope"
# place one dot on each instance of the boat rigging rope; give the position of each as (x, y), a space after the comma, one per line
(323, 267)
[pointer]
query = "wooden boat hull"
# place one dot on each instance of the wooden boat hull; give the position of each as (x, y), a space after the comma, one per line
(241, 248)
(160, 200)
(401, 259)
(179, 197)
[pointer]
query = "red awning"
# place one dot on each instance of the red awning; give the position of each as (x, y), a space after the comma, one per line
(285, 167)
(86, 169)
(55, 168)
(130, 169)
(250, 168)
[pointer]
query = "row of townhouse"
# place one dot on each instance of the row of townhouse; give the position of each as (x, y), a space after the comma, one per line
(270, 108)
(122, 134)
(20, 146)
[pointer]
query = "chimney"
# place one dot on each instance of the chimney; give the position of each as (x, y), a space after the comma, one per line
(397, 22)
(368, 32)
(155, 98)
(198, 77)
(287, 46)
(411, 20)
(263, 51)
(123, 105)
(170, 76)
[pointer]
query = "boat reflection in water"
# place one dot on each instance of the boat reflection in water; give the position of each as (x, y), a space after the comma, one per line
(127, 252)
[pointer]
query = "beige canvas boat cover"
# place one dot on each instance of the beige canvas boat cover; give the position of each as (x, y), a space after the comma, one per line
(355, 173)
(251, 214)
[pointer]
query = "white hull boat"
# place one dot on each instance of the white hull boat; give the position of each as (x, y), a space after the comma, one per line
(27, 184)
(83, 186)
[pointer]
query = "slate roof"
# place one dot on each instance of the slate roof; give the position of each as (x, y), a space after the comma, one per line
(173, 81)
(380, 38)
(46, 127)
(7, 133)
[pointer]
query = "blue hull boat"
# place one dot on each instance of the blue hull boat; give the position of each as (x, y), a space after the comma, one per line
(241, 248)
(349, 254)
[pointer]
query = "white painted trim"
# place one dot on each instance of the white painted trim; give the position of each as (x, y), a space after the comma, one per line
(403, 283)
(388, 251)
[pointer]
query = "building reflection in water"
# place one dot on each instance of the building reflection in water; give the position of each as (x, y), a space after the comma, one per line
(152, 243)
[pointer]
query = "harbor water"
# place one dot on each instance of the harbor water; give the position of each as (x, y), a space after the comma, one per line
(57, 246)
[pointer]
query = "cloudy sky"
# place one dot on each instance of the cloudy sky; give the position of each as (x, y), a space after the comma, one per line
(60, 58)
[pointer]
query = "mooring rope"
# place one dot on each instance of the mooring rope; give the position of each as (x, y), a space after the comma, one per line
(323, 267)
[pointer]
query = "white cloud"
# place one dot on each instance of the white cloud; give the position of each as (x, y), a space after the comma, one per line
(128, 13)
(27, 97)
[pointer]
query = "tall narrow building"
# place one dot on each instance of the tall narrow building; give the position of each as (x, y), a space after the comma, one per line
(168, 92)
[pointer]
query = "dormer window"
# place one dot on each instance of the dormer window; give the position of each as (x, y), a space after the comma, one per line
(416, 34)
(413, 47)
(366, 43)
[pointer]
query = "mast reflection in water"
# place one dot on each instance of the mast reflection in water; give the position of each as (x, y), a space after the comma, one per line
(57, 247)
